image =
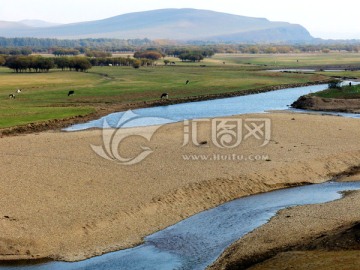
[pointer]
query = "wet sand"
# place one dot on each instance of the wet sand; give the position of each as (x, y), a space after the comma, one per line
(324, 236)
(60, 200)
(316, 260)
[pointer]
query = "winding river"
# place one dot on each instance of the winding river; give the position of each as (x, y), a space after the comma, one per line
(196, 242)
(256, 103)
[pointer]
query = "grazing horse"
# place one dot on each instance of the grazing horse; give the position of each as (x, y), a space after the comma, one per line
(12, 96)
(71, 92)
(164, 95)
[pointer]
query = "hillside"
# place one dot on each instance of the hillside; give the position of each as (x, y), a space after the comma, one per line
(38, 23)
(175, 24)
(7, 27)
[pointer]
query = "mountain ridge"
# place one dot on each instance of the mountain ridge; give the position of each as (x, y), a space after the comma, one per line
(174, 24)
(38, 23)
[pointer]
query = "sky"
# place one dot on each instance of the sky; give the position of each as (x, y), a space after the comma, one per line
(324, 19)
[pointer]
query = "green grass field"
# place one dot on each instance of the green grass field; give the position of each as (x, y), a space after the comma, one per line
(44, 95)
(347, 92)
(291, 60)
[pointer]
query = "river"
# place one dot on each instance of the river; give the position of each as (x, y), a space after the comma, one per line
(255, 103)
(196, 242)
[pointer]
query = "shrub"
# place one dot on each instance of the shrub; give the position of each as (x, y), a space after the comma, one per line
(335, 84)
(136, 64)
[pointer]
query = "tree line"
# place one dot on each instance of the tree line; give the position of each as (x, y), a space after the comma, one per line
(121, 61)
(184, 52)
(149, 54)
(33, 63)
(43, 64)
(15, 51)
(41, 44)
(24, 46)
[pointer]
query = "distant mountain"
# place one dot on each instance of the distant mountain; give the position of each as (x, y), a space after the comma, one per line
(174, 24)
(38, 23)
(8, 26)
(295, 33)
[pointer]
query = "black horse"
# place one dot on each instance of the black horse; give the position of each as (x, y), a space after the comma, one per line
(164, 95)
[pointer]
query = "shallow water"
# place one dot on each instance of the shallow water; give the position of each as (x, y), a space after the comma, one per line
(196, 242)
(304, 70)
(256, 103)
(292, 70)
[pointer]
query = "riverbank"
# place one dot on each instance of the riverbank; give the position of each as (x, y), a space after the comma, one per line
(324, 236)
(310, 102)
(108, 108)
(336, 99)
(62, 201)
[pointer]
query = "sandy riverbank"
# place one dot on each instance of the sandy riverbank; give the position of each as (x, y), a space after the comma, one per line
(60, 200)
(309, 102)
(312, 237)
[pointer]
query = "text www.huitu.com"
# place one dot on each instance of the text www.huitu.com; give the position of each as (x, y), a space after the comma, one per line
(225, 157)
